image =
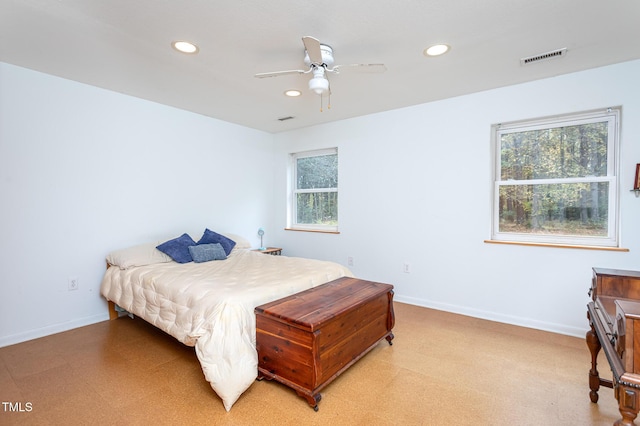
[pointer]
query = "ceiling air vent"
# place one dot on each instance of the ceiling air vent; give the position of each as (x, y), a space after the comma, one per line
(285, 118)
(544, 56)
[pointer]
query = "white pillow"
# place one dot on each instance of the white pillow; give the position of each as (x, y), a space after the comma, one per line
(140, 255)
(241, 242)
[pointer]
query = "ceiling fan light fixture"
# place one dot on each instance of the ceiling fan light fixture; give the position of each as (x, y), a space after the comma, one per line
(436, 50)
(319, 85)
(293, 93)
(185, 47)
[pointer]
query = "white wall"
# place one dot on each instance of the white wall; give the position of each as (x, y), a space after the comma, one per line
(84, 171)
(415, 186)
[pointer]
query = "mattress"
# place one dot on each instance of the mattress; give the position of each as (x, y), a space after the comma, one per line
(210, 305)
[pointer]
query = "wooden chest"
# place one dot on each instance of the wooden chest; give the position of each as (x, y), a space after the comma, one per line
(306, 340)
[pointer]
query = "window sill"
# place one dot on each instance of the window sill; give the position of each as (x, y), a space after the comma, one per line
(570, 246)
(312, 230)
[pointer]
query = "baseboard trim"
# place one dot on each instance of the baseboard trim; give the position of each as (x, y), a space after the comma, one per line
(52, 329)
(492, 316)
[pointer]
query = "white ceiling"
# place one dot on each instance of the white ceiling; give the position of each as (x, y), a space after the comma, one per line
(124, 46)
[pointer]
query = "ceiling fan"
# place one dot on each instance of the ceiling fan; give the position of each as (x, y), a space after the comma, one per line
(319, 58)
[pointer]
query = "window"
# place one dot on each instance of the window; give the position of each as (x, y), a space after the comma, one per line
(556, 180)
(314, 191)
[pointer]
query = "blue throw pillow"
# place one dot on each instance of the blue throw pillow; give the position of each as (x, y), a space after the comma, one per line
(210, 237)
(178, 248)
(206, 252)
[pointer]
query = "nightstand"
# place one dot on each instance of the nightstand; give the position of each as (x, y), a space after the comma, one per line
(275, 251)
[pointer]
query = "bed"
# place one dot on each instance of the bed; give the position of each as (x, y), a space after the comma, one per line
(210, 304)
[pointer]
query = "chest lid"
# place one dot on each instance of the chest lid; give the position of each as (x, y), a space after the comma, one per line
(312, 308)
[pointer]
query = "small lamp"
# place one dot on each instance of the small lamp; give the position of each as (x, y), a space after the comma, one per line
(261, 234)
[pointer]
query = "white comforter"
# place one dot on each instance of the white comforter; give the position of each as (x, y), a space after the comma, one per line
(211, 306)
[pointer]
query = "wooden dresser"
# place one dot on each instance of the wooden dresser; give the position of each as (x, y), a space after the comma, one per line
(306, 340)
(614, 317)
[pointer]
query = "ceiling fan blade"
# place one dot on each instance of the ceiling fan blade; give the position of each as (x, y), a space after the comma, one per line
(279, 73)
(361, 68)
(312, 46)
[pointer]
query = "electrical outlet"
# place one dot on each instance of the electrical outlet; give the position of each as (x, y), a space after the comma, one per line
(350, 261)
(406, 267)
(73, 284)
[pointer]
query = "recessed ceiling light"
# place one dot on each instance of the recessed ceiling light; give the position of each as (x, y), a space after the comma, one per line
(293, 93)
(185, 47)
(436, 49)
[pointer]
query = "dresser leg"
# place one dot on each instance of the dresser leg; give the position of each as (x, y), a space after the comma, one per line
(594, 347)
(626, 420)
(628, 399)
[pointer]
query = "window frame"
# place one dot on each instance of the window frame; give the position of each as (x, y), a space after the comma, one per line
(612, 117)
(293, 191)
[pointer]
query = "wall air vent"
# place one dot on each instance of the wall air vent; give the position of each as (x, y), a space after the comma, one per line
(544, 56)
(285, 118)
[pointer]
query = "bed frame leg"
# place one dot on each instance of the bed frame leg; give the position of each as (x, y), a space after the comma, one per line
(113, 314)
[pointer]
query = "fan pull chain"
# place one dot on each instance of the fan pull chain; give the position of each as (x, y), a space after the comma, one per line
(329, 102)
